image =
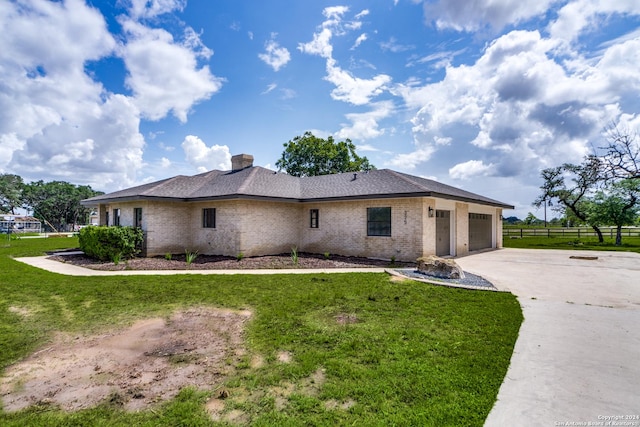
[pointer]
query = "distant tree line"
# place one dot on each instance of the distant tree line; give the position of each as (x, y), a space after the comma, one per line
(55, 202)
(603, 190)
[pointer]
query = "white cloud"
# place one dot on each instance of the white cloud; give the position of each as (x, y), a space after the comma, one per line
(102, 147)
(349, 88)
(578, 16)
(365, 125)
(165, 163)
(470, 169)
(58, 123)
(354, 90)
(158, 88)
(393, 46)
(409, 161)
(463, 15)
(320, 45)
(275, 56)
(152, 8)
(532, 109)
(270, 87)
(287, 93)
(205, 158)
(366, 147)
(361, 39)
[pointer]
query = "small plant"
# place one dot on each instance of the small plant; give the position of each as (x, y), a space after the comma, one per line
(327, 255)
(190, 256)
(392, 262)
(116, 258)
(239, 256)
(294, 255)
(168, 256)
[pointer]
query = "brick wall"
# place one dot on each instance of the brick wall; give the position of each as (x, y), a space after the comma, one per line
(261, 228)
(343, 229)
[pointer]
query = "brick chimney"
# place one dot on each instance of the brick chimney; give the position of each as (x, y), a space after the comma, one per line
(241, 161)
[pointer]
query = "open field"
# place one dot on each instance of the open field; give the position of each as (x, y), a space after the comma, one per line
(320, 349)
(630, 244)
(582, 232)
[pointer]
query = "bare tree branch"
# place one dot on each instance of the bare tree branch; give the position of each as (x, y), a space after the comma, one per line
(622, 153)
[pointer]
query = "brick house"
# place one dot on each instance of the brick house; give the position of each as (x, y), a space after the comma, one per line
(256, 211)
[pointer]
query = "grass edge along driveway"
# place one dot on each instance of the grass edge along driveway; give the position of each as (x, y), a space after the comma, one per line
(414, 354)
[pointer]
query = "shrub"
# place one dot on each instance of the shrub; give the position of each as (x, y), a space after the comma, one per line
(110, 243)
(190, 256)
(294, 255)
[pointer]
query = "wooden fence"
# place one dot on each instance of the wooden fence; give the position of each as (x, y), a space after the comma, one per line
(573, 232)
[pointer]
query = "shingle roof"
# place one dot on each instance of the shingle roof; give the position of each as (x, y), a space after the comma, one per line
(258, 182)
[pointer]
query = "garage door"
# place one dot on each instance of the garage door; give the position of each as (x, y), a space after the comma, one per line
(480, 231)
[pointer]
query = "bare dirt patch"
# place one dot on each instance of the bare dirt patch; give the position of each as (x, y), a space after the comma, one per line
(213, 262)
(136, 367)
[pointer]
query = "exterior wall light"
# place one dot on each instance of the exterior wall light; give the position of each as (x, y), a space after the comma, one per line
(430, 212)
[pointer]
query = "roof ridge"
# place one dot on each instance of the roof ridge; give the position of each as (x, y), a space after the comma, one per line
(405, 178)
(206, 176)
(248, 179)
(161, 184)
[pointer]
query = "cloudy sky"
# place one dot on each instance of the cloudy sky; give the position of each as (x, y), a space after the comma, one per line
(477, 94)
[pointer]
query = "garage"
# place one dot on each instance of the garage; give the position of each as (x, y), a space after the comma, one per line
(480, 231)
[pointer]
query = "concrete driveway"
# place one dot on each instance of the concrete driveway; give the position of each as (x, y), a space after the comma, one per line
(576, 360)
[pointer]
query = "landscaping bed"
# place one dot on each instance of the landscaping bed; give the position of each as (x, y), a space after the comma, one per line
(213, 262)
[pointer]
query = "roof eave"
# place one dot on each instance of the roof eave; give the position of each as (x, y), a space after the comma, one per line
(89, 202)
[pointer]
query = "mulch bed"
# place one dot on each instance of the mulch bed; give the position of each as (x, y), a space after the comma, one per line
(212, 262)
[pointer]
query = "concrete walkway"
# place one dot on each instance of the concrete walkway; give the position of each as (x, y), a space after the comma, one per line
(576, 358)
(73, 270)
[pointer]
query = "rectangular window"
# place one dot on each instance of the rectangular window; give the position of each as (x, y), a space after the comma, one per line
(379, 221)
(137, 217)
(314, 216)
(209, 218)
(116, 217)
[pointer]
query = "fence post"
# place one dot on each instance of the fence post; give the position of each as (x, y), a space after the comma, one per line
(521, 233)
(578, 232)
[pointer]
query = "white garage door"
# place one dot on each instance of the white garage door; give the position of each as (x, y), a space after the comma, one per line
(480, 231)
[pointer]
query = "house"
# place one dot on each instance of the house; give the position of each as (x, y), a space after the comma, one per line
(253, 211)
(19, 224)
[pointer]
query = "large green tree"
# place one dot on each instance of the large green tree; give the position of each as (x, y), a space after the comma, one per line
(58, 202)
(308, 155)
(616, 205)
(11, 189)
(569, 187)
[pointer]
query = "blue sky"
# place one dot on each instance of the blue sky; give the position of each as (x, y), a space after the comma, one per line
(481, 95)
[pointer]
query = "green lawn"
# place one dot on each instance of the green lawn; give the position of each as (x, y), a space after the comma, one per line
(630, 244)
(419, 354)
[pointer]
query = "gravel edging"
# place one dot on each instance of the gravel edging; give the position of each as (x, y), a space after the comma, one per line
(471, 281)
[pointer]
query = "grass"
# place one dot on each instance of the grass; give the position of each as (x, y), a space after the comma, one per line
(629, 244)
(414, 354)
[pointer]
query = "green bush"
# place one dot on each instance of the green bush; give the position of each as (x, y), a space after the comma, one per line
(110, 243)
